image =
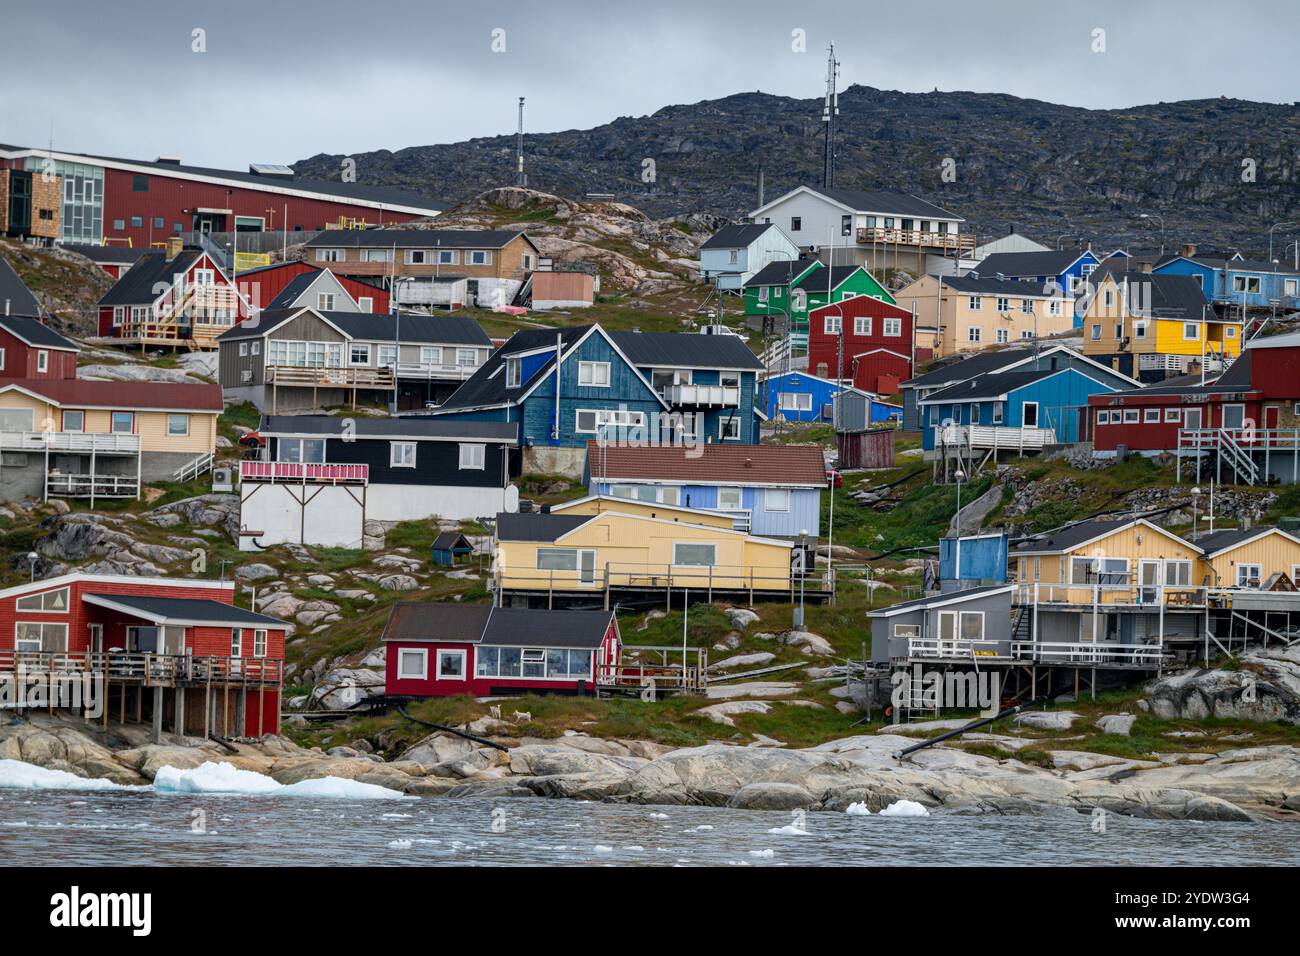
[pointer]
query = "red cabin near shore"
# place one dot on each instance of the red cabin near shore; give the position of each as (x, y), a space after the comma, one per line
(437, 650)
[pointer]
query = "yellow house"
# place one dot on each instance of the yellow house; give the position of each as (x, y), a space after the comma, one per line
(94, 439)
(1138, 323)
(969, 313)
(1250, 557)
(589, 547)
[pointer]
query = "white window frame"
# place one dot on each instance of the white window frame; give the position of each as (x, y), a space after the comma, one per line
(1150, 416)
(862, 325)
(325, 301)
(452, 652)
(173, 417)
(739, 504)
(589, 374)
(40, 628)
(974, 334)
(397, 454)
(243, 349)
(831, 324)
(1243, 579)
(1131, 416)
(356, 347)
(42, 361)
(907, 631)
(1250, 285)
(974, 302)
(112, 422)
(329, 255)
(422, 653)
(1037, 419)
(1238, 406)
(1173, 414)
(893, 328)
(695, 544)
(477, 452)
(794, 401)
(74, 411)
(1194, 328)
(259, 643)
(512, 372)
(478, 257)
(729, 428)
(767, 500)
(236, 642)
(40, 597)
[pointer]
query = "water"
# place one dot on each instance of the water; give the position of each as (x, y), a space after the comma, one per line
(119, 827)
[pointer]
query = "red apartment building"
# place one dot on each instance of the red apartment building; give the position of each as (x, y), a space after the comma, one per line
(878, 348)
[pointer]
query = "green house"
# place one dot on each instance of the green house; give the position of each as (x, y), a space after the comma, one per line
(794, 288)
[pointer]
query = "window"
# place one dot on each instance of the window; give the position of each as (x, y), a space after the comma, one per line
(35, 637)
(846, 225)
(1054, 307)
(973, 334)
(376, 255)
(1191, 331)
(1139, 330)
(693, 555)
(466, 358)
(973, 302)
(796, 223)
(526, 260)
(122, 423)
(729, 429)
(1130, 416)
(1004, 304)
(74, 421)
(139, 184)
(1249, 575)
(430, 355)
(1101, 570)
(243, 349)
(359, 354)
(119, 313)
(907, 631)
(893, 328)
(42, 361)
(1026, 334)
(972, 625)
(1119, 330)
(1172, 415)
(534, 661)
(795, 401)
(776, 499)
(1290, 286)
(1234, 416)
(595, 374)
(1103, 417)
(417, 257)
(1150, 415)
(831, 324)
(658, 494)
(557, 559)
(256, 348)
(1230, 331)
(386, 356)
(259, 643)
(401, 454)
(51, 602)
(1029, 414)
(590, 420)
(1096, 333)
(1246, 284)
(730, 499)
(479, 257)
(236, 642)
(325, 301)
(512, 373)
(451, 665)
(862, 325)
(118, 224)
(1178, 574)
(159, 222)
(302, 450)
(473, 456)
(1003, 335)
(412, 664)
(178, 426)
(1027, 306)
(448, 257)
(329, 255)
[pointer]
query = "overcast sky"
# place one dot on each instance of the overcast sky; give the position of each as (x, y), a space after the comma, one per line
(280, 80)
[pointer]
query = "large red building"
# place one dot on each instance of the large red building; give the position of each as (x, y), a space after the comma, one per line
(142, 203)
(172, 651)
(878, 348)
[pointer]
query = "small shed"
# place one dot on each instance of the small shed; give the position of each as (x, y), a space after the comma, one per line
(871, 448)
(448, 545)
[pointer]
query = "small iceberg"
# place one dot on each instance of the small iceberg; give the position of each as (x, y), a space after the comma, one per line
(18, 775)
(858, 810)
(226, 778)
(763, 854)
(905, 808)
(789, 828)
(399, 844)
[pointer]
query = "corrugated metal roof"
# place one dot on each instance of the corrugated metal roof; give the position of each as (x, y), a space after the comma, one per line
(414, 238)
(413, 426)
(799, 465)
(139, 396)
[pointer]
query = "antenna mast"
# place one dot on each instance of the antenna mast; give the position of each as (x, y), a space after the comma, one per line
(830, 110)
(520, 178)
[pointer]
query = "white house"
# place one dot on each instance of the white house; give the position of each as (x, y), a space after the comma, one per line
(733, 255)
(880, 229)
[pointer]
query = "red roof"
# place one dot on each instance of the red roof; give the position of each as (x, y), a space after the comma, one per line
(734, 464)
(135, 396)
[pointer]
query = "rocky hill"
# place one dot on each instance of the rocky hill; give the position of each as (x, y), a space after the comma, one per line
(1043, 168)
(66, 285)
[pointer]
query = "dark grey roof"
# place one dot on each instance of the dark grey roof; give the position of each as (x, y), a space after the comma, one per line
(736, 236)
(781, 272)
(1050, 263)
(882, 201)
(990, 385)
(496, 626)
(290, 293)
(367, 327)
(35, 333)
(414, 238)
(97, 253)
(686, 350)
(487, 386)
(994, 286)
(1238, 376)
(537, 526)
(816, 281)
(137, 285)
(451, 539)
(14, 292)
(1165, 296)
(1071, 537)
(191, 609)
(1215, 541)
(967, 368)
(941, 597)
(406, 426)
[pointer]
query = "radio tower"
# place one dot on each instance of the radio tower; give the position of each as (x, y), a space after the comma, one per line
(520, 178)
(830, 110)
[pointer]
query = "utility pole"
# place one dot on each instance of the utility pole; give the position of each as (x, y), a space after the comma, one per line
(520, 178)
(830, 110)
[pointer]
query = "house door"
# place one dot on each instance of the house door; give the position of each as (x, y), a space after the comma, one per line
(1149, 581)
(1191, 419)
(96, 638)
(1029, 415)
(587, 567)
(1270, 423)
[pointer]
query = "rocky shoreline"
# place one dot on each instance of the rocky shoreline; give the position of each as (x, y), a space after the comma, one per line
(1234, 785)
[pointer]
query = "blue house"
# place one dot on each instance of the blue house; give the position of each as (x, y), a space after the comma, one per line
(769, 490)
(1068, 268)
(1237, 281)
(1021, 409)
(798, 397)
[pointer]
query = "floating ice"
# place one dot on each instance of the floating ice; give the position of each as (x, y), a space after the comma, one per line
(601, 848)
(905, 808)
(399, 844)
(223, 777)
(765, 854)
(17, 775)
(789, 828)
(658, 816)
(857, 810)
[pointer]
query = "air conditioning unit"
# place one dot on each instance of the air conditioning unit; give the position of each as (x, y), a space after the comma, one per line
(223, 478)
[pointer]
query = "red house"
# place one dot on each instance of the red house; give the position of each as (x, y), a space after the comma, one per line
(32, 350)
(437, 650)
(115, 260)
(261, 288)
(165, 650)
(878, 350)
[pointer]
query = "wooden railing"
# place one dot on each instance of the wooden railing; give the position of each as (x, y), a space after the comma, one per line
(294, 471)
(435, 370)
(330, 376)
(144, 667)
(1090, 652)
(99, 442)
(663, 576)
(88, 486)
(915, 237)
(998, 437)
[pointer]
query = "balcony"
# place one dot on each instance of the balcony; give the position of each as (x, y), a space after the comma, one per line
(724, 396)
(60, 485)
(102, 443)
(147, 668)
(433, 371)
(997, 437)
(946, 241)
(1117, 596)
(303, 376)
(304, 472)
